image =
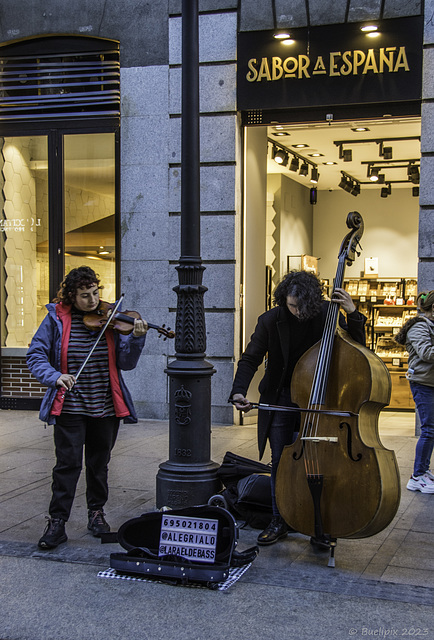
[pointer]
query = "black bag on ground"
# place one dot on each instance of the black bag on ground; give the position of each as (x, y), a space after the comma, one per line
(195, 544)
(248, 490)
(234, 468)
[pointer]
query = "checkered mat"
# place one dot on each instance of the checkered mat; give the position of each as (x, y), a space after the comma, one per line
(235, 574)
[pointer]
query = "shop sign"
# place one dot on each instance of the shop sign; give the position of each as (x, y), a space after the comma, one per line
(330, 65)
(19, 225)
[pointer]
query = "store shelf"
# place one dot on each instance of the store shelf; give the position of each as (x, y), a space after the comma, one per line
(387, 304)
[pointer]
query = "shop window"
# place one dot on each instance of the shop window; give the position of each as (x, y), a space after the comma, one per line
(24, 237)
(59, 184)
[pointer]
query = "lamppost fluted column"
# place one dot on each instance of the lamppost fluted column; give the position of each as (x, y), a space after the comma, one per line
(189, 477)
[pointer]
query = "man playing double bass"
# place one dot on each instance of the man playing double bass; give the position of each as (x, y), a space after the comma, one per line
(284, 334)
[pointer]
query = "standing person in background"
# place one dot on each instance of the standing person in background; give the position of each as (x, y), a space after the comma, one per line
(417, 335)
(283, 334)
(85, 413)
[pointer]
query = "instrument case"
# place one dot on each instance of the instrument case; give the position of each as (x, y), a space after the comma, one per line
(195, 544)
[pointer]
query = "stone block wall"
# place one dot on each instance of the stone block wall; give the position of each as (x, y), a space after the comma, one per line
(426, 215)
(219, 188)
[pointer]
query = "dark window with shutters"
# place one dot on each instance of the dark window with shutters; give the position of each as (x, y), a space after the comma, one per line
(56, 77)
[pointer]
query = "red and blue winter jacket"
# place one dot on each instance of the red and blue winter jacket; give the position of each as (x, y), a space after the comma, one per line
(47, 360)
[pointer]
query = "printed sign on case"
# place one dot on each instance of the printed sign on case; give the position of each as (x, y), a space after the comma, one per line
(192, 538)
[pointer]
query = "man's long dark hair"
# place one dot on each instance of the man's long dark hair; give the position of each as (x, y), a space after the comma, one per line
(306, 287)
(79, 278)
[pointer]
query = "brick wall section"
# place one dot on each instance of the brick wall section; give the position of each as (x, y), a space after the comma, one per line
(17, 381)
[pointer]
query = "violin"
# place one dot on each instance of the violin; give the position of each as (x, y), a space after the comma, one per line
(123, 322)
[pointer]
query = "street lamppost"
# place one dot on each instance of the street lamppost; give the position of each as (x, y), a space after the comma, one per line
(189, 477)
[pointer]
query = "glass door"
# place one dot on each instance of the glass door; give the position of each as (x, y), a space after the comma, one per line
(89, 196)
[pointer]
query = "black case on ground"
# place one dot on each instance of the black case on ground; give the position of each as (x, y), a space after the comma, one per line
(141, 538)
(247, 493)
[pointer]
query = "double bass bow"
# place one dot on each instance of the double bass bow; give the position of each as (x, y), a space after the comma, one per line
(337, 480)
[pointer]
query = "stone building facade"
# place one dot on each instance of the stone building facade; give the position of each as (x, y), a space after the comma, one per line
(149, 33)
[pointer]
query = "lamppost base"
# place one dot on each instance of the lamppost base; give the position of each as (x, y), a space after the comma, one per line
(185, 486)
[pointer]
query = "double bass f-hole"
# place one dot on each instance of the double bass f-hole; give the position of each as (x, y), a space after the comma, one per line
(359, 456)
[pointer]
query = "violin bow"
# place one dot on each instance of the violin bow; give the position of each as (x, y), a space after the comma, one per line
(100, 335)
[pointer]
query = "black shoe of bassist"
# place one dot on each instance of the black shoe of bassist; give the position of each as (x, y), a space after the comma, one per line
(276, 530)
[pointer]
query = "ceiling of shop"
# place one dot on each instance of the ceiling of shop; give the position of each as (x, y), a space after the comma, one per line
(322, 137)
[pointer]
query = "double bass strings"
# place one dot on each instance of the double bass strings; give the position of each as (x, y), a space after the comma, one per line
(319, 386)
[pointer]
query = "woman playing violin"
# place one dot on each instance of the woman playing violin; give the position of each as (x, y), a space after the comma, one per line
(85, 411)
(283, 334)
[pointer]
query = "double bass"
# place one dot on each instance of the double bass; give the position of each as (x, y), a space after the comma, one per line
(337, 480)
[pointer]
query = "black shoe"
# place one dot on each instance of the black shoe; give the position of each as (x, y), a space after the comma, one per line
(322, 543)
(97, 523)
(276, 529)
(54, 534)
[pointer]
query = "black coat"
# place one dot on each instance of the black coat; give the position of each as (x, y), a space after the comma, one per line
(281, 337)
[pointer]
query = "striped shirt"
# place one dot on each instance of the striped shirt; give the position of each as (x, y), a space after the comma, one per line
(91, 395)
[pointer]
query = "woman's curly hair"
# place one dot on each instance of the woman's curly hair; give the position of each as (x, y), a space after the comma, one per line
(306, 287)
(425, 301)
(79, 278)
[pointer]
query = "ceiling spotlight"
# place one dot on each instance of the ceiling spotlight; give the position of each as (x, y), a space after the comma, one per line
(373, 173)
(355, 189)
(349, 184)
(283, 35)
(345, 154)
(280, 156)
(385, 152)
(386, 191)
(304, 169)
(300, 146)
(360, 129)
(313, 195)
(369, 28)
(293, 166)
(314, 176)
(415, 192)
(343, 183)
(413, 173)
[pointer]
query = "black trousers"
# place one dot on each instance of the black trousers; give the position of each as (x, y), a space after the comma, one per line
(72, 433)
(283, 431)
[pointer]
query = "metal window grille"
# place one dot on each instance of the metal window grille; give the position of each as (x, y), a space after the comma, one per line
(56, 77)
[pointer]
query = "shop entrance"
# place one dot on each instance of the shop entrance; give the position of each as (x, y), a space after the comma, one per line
(301, 180)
